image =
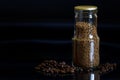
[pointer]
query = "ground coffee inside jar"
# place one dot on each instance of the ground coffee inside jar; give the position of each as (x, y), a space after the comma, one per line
(85, 45)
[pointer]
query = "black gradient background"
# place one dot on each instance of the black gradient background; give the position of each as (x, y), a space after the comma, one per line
(34, 30)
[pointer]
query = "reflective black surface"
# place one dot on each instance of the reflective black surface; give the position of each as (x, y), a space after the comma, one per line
(26, 71)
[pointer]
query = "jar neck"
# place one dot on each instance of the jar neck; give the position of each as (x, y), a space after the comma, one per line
(89, 16)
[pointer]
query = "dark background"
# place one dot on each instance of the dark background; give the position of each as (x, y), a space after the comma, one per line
(27, 25)
(31, 30)
(62, 10)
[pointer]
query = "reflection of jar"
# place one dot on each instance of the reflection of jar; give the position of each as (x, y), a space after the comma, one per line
(88, 76)
(86, 40)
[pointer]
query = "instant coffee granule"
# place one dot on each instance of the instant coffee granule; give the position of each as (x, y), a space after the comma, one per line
(85, 45)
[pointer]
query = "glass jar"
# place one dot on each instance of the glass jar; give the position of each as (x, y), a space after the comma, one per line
(86, 39)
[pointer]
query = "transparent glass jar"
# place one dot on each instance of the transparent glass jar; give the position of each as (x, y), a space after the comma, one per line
(86, 39)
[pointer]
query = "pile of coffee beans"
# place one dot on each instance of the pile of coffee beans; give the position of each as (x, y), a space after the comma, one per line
(107, 67)
(102, 68)
(55, 67)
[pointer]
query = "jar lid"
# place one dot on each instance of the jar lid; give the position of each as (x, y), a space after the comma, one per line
(85, 7)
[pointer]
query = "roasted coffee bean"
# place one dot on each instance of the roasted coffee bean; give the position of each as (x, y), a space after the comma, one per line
(72, 70)
(62, 63)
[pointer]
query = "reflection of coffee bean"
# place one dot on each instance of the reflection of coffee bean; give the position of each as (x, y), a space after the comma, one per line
(55, 67)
